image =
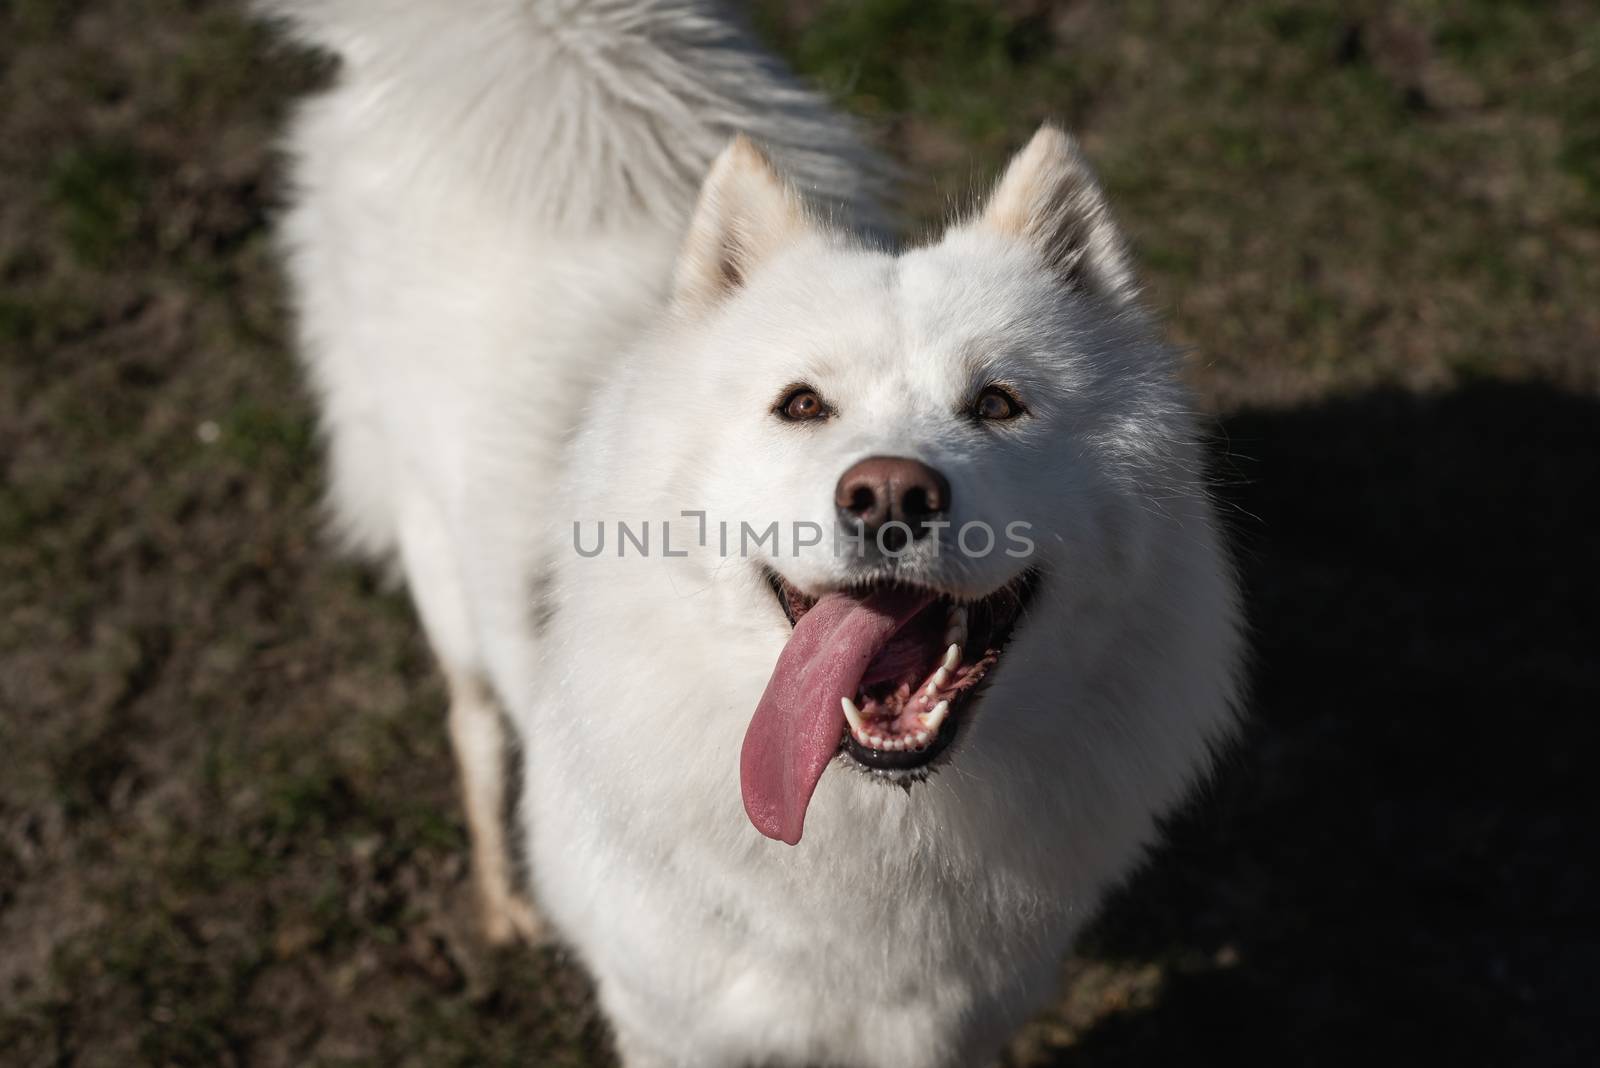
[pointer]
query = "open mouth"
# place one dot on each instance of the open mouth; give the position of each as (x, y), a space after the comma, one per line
(884, 672)
(908, 704)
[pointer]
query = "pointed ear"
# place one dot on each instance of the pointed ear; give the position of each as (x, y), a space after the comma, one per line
(745, 215)
(1049, 198)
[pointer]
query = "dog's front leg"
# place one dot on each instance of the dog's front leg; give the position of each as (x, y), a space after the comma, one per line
(478, 734)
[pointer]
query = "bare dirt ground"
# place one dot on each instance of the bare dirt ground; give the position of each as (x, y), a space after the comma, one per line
(227, 825)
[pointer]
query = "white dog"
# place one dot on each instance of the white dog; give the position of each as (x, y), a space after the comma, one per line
(754, 529)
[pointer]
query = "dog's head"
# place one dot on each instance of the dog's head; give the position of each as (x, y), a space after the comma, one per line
(924, 456)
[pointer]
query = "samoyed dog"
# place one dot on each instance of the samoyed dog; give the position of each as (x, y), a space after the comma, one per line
(857, 612)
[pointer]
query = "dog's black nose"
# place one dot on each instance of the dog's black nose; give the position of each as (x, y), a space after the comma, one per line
(886, 489)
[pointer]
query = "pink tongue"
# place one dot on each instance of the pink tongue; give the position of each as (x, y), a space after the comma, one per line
(797, 725)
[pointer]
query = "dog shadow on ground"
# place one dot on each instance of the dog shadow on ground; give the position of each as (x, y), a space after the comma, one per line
(1396, 866)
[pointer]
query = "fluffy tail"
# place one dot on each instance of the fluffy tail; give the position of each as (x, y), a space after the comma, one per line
(337, 26)
(593, 108)
(320, 24)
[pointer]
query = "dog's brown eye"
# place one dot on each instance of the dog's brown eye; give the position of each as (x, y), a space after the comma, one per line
(802, 404)
(995, 403)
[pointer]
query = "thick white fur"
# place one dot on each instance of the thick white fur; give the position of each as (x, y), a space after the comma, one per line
(487, 215)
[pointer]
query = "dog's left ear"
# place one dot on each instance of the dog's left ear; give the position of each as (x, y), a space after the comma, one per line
(745, 215)
(1050, 199)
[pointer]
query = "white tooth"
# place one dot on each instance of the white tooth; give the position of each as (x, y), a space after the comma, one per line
(853, 714)
(956, 627)
(933, 719)
(940, 677)
(952, 657)
(934, 683)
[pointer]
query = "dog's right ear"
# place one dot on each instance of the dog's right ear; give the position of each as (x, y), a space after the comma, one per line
(745, 215)
(1049, 199)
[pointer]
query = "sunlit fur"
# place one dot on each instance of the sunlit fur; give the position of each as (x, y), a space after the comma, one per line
(484, 245)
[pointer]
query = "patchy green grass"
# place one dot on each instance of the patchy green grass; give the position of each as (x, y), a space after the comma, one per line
(99, 193)
(227, 824)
